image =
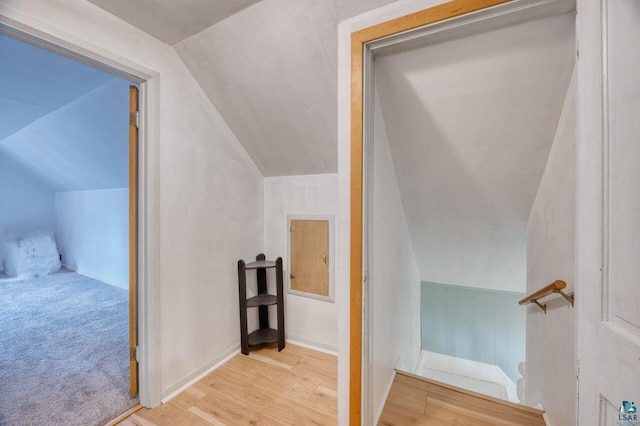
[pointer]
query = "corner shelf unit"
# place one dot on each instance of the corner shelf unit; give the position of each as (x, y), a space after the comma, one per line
(264, 334)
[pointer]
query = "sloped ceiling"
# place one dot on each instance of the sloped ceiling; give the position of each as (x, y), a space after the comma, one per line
(270, 67)
(172, 21)
(470, 124)
(83, 145)
(276, 84)
(35, 82)
(64, 122)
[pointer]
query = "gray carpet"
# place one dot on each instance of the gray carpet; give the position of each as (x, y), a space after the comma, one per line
(63, 351)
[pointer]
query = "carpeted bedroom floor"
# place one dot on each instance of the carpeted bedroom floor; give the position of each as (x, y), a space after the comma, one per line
(63, 351)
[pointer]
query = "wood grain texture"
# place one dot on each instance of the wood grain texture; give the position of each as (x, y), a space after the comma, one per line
(358, 40)
(310, 256)
(414, 400)
(133, 240)
(291, 387)
(544, 291)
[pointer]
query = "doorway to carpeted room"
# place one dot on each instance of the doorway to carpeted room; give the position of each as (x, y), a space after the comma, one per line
(67, 223)
(63, 350)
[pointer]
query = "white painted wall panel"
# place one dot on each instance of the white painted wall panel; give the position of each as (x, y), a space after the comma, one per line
(480, 325)
(550, 374)
(92, 233)
(395, 283)
(307, 320)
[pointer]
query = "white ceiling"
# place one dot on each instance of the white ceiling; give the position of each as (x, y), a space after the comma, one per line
(34, 82)
(470, 124)
(275, 86)
(270, 67)
(82, 145)
(64, 121)
(172, 21)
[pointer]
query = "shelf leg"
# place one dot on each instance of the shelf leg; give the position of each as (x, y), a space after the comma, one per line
(280, 295)
(242, 290)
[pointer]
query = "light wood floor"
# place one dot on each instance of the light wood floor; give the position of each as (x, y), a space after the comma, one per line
(297, 386)
(414, 400)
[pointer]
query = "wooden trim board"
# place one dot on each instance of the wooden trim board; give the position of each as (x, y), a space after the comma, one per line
(133, 241)
(124, 415)
(358, 40)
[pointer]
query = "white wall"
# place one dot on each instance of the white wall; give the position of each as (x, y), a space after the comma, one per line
(550, 375)
(395, 281)
(26, 202)
(205, 194)
(307, 320)
(92, 233)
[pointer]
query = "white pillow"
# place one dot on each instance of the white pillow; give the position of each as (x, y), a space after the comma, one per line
(33, 255)
(12, 257)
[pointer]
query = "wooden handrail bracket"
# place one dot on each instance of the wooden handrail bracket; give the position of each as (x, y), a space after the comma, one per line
(555, 287)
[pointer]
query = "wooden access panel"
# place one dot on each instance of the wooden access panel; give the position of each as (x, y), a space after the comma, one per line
(310, 256)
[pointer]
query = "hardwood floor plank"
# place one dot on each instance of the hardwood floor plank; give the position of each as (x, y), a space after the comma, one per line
(306, 352)
(293, 384)
(393, 415)
(484, 403)
(262, 396)
(409, 398)
(270, 388)
(321, 369)
(191, 395)
(169, 415)
(286, 356)
(455, 414)
(270, 361)
(447, 405)
(326, 397)
(206, 417)
(233, 411)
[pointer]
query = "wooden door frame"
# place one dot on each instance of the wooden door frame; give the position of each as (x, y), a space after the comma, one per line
(359, 40)
(134, 122)
(148, 80)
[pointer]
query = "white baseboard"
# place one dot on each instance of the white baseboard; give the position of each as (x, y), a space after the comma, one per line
(327, 349)
(199, 373)
(384, 400)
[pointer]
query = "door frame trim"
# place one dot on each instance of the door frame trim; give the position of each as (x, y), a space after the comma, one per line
(436, 19)
(147, 79)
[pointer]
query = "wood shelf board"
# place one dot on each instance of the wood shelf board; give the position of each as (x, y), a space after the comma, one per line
(258, 264)
(263, 335)
(544, 292)
(262, 300)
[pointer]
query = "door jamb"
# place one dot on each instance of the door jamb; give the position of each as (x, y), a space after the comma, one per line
(148, 295)
(361, 58)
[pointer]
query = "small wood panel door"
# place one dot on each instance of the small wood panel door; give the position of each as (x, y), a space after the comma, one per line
(133, 240)
(310, 256)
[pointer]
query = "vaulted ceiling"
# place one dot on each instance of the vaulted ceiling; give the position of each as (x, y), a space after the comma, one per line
(270, 67)
(35, 82)
(64, 122)
(470, 123)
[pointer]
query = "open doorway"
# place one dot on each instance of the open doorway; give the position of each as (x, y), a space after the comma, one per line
(465, 125)
(68, 226)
